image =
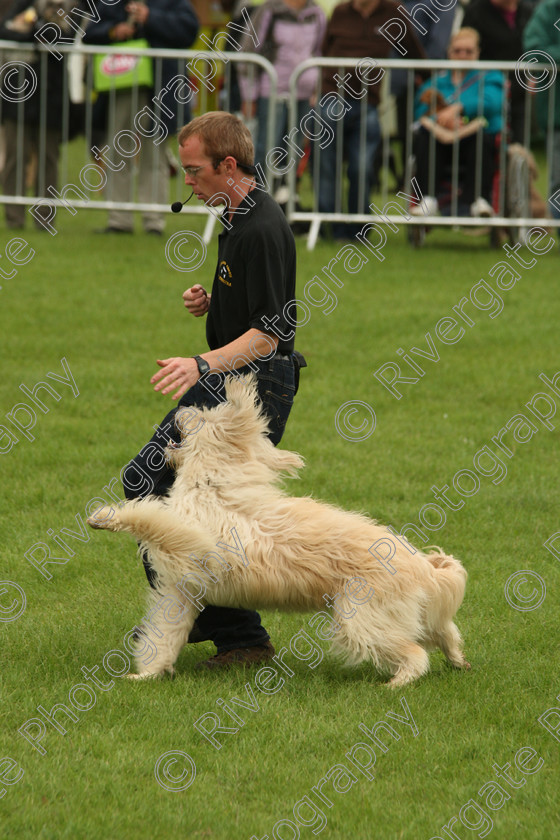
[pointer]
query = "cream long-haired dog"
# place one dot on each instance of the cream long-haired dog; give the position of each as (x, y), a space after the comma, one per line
(257, 547)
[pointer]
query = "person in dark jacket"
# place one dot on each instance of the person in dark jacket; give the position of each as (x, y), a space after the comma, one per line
(542, 34)
(500, 25)
(168, 24)
(32, 90)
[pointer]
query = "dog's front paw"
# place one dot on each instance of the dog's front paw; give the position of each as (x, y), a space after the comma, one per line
(142, 676)
(104, 518)
(151, 675)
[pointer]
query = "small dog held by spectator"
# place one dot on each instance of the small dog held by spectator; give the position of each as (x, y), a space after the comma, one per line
(391, 602)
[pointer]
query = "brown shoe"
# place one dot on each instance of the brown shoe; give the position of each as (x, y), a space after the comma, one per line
(241, 657)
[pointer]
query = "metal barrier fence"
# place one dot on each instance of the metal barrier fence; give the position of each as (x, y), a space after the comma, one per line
(511, 203)
(75, 189)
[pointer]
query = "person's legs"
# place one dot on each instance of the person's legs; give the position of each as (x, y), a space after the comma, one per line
(261, 140)
(361, 148)
(554, 178)
(477, 157)
(330, 179)
(153, 175)
(429, 178)
(361, 144)
(18, 153)
(518, 107)
(120, 183)
(47, 150)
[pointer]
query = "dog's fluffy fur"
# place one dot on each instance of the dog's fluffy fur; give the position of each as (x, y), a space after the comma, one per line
(297, 549)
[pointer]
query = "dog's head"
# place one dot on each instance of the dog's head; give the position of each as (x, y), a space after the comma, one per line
(434, 99)
(230, 437)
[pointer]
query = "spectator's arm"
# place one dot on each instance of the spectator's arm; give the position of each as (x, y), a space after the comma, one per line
(410, 42)
(7, 34)
(98, 32)
(260, 21)
(493, 97)
(321, 30)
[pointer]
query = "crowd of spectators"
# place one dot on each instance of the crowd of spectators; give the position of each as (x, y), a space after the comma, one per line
(461, 114)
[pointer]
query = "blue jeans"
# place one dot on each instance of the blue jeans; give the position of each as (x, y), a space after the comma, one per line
(360, 167)
(228, 628)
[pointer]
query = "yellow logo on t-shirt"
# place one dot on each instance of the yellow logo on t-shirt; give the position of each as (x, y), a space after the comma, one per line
(224, 273)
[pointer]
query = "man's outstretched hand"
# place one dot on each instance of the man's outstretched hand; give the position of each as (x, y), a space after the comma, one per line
(176, 372)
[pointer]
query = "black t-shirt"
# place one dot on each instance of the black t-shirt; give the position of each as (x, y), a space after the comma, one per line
(255, 276)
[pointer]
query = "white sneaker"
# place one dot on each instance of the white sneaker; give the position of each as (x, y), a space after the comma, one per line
(429, 207)
(480, 207)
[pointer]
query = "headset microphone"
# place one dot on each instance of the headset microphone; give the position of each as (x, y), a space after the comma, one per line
(177, 206)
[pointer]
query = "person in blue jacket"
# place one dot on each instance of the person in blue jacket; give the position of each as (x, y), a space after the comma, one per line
(169, 24)
(462, 109)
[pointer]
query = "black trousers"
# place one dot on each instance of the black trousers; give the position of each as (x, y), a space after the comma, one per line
(149, 474)
(470, 160)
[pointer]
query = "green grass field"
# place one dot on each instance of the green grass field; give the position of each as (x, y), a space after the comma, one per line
(110, 307)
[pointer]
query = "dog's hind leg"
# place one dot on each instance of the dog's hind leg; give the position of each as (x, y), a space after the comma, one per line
(413, 662)
(171, 619)
(370, 635)
(449, 640)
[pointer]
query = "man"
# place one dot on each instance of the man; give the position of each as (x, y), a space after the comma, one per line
(248, 327)
(500, 24)
(353, 32)
(169, 24)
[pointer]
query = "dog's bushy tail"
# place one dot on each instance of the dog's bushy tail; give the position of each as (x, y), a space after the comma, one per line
(451, 578)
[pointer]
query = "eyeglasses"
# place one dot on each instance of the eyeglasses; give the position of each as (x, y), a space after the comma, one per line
(192, 171)
(466, 50)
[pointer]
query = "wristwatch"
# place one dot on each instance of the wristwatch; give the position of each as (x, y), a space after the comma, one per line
(202, 365)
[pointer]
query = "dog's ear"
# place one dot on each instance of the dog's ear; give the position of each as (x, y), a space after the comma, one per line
(242, 411)
(241, 391)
